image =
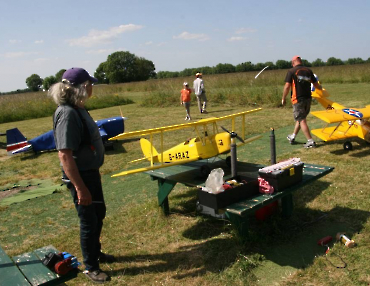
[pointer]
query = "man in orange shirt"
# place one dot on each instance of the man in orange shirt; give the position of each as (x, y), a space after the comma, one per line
(185, 99)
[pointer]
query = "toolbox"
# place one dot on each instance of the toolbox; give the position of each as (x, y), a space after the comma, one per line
(245, 188)
(283, 174)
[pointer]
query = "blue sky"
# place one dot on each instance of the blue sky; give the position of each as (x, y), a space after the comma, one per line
(44, 36)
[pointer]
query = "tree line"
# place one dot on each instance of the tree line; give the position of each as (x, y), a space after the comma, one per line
(249, 66)
(123, 66)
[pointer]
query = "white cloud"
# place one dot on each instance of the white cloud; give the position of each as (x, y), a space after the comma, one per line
(100, 51)
(245, 30)
(18, 54)
(97, 37)
(39, 42)
(189, 36)
(14, 41)
(41, 60)
(234, 39)
(149, 43)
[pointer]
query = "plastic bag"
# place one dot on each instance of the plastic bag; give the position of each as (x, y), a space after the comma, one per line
(215, 181)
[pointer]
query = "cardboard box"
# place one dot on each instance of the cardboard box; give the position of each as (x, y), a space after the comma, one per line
(283, 174)
(228, 197)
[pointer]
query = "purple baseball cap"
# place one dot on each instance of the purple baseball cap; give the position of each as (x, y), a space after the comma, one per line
(78, 76)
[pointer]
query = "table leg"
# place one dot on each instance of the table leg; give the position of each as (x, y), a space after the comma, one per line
(287, 205)
(240, 223)
(164, 189)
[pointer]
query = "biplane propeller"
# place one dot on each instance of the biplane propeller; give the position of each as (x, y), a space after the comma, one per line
(349, 122)
(208, 143)
(233, 134)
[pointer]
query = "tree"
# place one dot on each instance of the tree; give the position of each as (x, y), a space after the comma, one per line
(126, 67)
(188, 72)
(318, 63)
(59, 75)
(270, 65)
(283, 64)
(145, 69)
(34, 82)
(244, 67)
(353, 61)
(206, 70)
(259, 66)
(224, 68)
(48, 82)
(100, 74)
(306, 63)
(334, 62)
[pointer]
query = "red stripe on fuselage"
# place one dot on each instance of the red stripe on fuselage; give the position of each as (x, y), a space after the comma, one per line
(12, 147)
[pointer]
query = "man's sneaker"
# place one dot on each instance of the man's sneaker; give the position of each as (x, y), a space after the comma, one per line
(106, 258)
(310, 144)
(97, 276)
(291, 138)
(186, 118)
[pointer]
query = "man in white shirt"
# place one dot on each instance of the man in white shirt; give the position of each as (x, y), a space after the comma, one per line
(200, 93)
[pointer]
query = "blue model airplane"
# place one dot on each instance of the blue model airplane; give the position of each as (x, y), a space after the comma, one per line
(17, 143)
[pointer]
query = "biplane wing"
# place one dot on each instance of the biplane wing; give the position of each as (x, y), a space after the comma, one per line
(340, 115)
(336, 132)
(201, 122)
(208, 143)
(350, 123)
(154, 167)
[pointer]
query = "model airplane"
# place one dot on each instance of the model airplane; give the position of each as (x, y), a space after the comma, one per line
(17, 143)
(208, 143)
(349, 122)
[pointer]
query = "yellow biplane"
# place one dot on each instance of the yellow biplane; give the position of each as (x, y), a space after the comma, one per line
(349, 122)
(208, 143)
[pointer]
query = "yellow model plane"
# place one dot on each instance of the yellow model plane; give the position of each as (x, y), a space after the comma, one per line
(349, 122)
(208, 143)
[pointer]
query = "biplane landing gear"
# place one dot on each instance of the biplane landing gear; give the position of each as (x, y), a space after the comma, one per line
(205, 170)
(347, 146)
(228, 161)
(108, 146)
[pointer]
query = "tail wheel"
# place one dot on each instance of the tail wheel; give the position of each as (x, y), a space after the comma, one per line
(347, 146)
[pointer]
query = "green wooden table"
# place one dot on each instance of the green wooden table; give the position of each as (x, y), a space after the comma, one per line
(237, 213)
(27, 269)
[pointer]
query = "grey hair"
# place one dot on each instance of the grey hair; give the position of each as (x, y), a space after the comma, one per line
(66, 93)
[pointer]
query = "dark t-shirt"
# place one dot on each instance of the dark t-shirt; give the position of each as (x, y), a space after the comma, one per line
(69, 133)
(301, 78)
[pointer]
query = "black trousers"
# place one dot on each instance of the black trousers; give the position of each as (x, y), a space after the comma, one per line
(91, 218)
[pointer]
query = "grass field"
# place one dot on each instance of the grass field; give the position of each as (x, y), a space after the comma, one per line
(186, 248)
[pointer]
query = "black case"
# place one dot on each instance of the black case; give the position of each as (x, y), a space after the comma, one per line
(281, 179)
(230, 196)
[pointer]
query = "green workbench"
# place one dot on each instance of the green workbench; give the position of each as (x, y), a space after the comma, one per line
(27, 269)
(190, 175)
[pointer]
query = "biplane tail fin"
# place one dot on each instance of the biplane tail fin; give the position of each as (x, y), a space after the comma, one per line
(148, 150)
(15, 141)
(320, 93)
(322, 97)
